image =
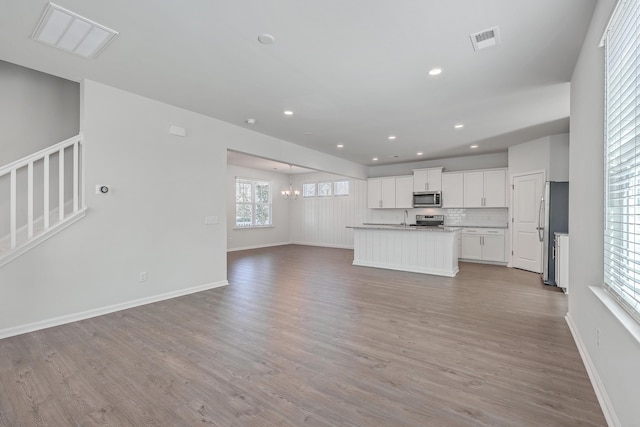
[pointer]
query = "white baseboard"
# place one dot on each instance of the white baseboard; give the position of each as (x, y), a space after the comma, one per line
(323, 245)
(268, 245)
(69, 318)
(596, 382)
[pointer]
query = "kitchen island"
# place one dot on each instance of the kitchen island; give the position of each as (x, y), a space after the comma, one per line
(429, 250)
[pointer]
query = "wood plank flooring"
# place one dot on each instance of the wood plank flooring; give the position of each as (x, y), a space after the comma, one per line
(302, 337)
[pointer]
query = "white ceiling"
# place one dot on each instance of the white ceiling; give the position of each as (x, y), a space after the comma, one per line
(353, 72)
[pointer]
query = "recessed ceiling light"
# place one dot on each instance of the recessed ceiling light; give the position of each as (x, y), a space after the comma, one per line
(375, 159)
(420, 153)
(251, 121)
(308, 133)
(288, 113)
(340, 145)
(71, 32)
(435, 71)
(392, 137)
(265, 38)
(474, 146)
(459, 126)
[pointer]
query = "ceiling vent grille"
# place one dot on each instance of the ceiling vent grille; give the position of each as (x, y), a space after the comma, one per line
(71, 32)
(485, 39)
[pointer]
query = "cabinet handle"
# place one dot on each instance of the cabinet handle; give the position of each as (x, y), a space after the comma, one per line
(426, 186)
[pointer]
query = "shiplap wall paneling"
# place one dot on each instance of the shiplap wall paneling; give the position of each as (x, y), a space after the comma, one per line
(323, 221)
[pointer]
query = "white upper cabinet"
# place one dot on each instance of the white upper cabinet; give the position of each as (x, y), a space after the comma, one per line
(495, 188)
(485, 189)
(427, 179)
(404, 192)
(390, 192)
(452, 190)
(473, 189)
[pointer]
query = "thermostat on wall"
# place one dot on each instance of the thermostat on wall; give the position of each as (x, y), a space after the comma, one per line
(103, 189)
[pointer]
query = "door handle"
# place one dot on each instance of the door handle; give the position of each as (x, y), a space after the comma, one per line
(540, 226)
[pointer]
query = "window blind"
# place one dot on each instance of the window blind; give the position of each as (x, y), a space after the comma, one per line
(622, 156)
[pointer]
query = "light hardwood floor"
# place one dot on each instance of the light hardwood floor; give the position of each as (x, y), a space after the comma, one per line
(302, 337)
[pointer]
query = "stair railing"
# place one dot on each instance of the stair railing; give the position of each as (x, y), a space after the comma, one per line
(22, 237)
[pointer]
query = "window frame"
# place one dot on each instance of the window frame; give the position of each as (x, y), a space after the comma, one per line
(330, 187)
(254, 203)
(622, 158)
(338, 181)
(315, 190)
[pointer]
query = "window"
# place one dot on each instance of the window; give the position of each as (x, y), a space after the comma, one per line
(309, 189)
(324, 189)
(622, 156)
(253, 203)
(340, 188)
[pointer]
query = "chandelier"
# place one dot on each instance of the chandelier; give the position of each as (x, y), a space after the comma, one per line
(290, 193)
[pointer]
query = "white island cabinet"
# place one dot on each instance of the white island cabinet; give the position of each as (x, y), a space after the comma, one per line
(415, 249)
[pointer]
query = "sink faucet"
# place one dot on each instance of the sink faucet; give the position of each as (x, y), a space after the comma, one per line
(406, 218)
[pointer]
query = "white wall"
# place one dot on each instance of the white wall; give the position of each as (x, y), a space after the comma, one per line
(550, 154)
(452, 164)
(559, 157)
(322, 221)
(153, 221)
(37, 111)
(615, 362)
(258, 237)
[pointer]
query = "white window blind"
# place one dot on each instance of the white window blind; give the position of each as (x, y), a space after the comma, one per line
(622, 156)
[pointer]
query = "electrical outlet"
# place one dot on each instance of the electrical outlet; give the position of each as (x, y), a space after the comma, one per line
(143, 276)
(598, 337)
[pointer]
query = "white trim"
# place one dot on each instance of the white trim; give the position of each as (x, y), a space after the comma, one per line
(323, 245)
(601, 393)
(69, 318)
(48, 233)
(618, 311)
(268, 245)
(510, 188)
(38, 155)
(617, 10)
(400, 267)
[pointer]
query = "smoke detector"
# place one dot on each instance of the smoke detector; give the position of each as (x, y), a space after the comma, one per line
(485, 39)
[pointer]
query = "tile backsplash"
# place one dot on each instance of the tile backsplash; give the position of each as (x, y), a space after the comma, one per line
(490, 217)
(478, 217)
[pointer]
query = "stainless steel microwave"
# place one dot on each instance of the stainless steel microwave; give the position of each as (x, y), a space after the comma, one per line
(427, 199)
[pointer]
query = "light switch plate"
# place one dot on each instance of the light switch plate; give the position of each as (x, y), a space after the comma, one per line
(211, 219)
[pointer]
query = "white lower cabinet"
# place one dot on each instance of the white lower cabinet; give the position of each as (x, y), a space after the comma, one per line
(562, 261)
(482, 244)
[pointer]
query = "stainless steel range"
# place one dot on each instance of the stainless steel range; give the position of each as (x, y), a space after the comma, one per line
(429, 221)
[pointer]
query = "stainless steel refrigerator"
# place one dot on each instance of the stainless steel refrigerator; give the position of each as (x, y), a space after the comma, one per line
(553, 218)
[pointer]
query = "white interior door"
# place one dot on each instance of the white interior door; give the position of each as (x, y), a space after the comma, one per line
(526, 246)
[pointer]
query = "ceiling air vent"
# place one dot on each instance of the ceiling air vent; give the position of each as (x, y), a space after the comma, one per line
(485, 39)
(71, 32)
